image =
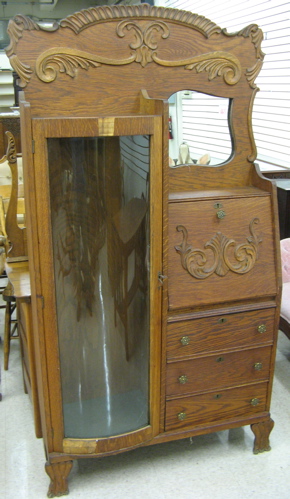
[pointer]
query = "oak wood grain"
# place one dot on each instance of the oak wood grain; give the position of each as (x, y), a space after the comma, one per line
(120, 86)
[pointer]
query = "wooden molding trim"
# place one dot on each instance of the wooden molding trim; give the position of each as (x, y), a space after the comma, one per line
(81, 20)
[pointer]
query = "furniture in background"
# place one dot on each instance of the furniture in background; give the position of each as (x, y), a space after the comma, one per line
(17, 293)
(14, 236)
(10, 323)
(205, 323)
(10, 123)
(283, 193)
(12, 213)
(281, 177)
(278, 173)
(285, 302)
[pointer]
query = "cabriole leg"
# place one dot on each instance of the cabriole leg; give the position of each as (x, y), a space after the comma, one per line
(58, 474)
(262, 432)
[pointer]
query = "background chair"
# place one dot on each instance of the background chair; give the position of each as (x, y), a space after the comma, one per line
(285, 304)
(13, 245)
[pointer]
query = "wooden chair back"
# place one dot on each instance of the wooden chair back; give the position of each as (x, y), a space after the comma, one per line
(12, 210)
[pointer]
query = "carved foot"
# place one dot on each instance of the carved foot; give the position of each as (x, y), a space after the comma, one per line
(262, 432)
(58, 474)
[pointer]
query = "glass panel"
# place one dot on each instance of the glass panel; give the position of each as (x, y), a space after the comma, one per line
(199, 130)
(99, 193)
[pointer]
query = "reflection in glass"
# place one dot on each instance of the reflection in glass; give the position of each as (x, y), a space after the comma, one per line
(198, 129)
(99, 192)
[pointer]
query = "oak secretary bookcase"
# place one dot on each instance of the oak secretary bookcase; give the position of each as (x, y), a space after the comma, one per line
(155, 284)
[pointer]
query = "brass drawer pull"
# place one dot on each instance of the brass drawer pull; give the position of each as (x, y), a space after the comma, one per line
(183, 379)
(181, 416)
(185, 340)
(220, 359)
(258, 366)
(220, 214)
(262, 328)
(255, 402)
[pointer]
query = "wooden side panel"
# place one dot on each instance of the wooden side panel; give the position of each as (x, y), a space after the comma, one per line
(26, 333)
(34, 269)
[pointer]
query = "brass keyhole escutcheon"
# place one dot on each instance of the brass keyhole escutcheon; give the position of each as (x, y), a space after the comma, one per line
(220, 359)
(222, 320)
(258, 366)
(262, 328)
(220, 214)
(183, 379)
(185, 340)
(255, 402)
(217, 396)
(181, 416)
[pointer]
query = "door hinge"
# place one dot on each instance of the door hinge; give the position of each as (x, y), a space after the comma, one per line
(161, 278)
(41, 297)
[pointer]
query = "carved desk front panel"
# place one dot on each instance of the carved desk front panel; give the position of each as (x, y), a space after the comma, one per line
(221, 245)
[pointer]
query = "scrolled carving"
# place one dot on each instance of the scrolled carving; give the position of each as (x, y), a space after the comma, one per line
(23, 71)
(217, 64)
(255, 33)
(64, 60)
(144, 51)
(252, 73)
(69, 62)
(15, 30)
(145, 45)
(11, 154)
(196, 261)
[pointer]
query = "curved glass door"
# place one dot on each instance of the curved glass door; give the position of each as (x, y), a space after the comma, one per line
(100, 218)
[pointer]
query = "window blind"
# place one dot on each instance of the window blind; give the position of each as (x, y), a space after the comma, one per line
(271, 112)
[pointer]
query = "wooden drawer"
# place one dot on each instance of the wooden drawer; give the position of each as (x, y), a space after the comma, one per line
(216, 406)
(213, 260)
(218, 371)
(220, 332)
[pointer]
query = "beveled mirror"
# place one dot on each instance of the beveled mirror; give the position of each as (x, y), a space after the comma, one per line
(199, 129)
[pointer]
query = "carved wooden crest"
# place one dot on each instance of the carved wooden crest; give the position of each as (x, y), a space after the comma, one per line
(143, 50)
